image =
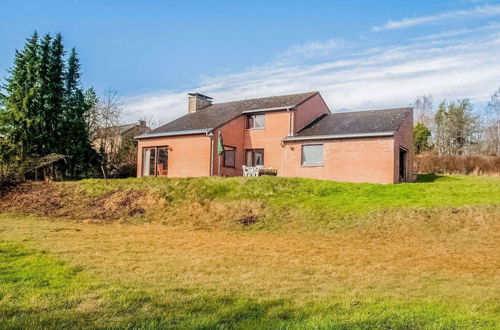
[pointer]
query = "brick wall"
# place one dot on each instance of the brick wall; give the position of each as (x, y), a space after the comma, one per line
(232, 135)
(308, 111)
(190, 155)
(404, 138)
(350, 160)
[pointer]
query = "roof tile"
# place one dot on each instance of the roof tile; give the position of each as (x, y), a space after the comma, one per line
(219, 113)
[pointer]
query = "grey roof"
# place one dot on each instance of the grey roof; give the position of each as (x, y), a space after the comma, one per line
(219, 113)
(122, 129)
(356, 123)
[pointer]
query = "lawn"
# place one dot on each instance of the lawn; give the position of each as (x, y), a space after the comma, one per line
(419, 255)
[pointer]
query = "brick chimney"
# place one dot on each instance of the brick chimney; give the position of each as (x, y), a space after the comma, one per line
(198, 101)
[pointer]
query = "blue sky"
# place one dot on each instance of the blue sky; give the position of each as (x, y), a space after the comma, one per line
(358, 54)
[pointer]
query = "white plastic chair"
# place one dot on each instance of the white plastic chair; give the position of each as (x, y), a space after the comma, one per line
(247, 171)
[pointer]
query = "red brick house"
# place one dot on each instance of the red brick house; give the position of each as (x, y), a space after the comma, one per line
(296, 135)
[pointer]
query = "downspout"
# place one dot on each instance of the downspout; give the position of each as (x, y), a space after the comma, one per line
(211, 135)
(290, 132)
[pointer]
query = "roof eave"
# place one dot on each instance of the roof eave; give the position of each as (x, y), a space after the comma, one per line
(268, 109)
(174, 133)
(338, 136)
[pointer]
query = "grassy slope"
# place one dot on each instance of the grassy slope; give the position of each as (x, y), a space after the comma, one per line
(430, 264)
(306, 203)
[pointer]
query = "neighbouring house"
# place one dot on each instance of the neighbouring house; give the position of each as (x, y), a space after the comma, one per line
(110, 139)
(117, 148)
(296, 135)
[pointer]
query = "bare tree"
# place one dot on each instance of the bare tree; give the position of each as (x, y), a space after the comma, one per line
(492, 128)
(153, 122)
(457, 127)
(103, 122)
(423, 110)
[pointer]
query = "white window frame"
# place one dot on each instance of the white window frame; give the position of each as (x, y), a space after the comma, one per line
(247, 121)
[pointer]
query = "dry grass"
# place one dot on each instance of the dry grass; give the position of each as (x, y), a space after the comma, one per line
(178, 257)
(396, 262)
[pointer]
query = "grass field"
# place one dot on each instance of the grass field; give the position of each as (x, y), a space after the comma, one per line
(320, 254)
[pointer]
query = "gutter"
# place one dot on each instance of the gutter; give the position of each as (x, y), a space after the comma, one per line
(337, 136)
(291, 107)
(175, 133)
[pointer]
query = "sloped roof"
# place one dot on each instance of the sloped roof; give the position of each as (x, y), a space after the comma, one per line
(356, 123)
(122, 129)
(219, 113)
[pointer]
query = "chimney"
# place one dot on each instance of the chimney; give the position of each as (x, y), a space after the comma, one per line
(198, 101)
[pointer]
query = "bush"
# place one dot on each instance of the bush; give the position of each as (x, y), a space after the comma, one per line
(457, 164)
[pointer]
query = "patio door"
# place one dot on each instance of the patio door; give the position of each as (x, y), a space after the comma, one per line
(254, 157)
(155, 161)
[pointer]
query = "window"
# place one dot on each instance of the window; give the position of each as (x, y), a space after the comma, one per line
(255, 121)
(229, 156)
(312, 155)
(162, 165)
(154, 161)
(254, 157)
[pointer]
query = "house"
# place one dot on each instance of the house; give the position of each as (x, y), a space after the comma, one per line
(110, 139)
(295, 134)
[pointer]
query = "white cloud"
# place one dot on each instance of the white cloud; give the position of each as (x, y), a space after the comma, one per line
(312, 49)
(373, 78)
(482, 11)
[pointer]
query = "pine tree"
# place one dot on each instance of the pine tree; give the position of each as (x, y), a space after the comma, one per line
(45, 113)
(43, 108)
(21, 120)
(76, 142)
(54, 97)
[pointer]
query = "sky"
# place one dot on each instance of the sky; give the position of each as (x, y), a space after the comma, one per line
(358, 54)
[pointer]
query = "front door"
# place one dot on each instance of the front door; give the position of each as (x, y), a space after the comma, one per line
(403, 159)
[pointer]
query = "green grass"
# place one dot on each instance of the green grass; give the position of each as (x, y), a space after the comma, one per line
(430, 190)
(38, 290)
(409, 256)
(312, 203)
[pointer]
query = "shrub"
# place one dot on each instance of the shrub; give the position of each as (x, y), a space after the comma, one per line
(457, 164)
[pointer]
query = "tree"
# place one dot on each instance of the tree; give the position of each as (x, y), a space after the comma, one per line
(103, 120)
(43, 109)
(54, 97)
(423, 110)
(77, 146)
(493, 122)
(456, 127)
(20, 118)
(421, 136)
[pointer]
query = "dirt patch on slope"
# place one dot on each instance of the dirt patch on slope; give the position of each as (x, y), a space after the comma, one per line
(66, 201)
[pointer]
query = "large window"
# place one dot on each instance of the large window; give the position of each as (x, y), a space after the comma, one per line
(254, 157)
(229, 156)
(154, 161)
(255, 121)
(312, 155)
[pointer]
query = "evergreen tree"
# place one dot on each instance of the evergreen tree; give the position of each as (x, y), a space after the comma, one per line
(54, 97)
(421, 135)
(76, 142)
(20, 118)
(45, 58)
(44, 110)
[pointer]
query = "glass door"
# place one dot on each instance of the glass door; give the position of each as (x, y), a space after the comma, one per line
(155, 161)
(149, 162)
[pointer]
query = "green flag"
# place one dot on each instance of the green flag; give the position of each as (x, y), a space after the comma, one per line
(220, 145)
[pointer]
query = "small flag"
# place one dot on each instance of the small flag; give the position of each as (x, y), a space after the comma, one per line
(220, 145)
